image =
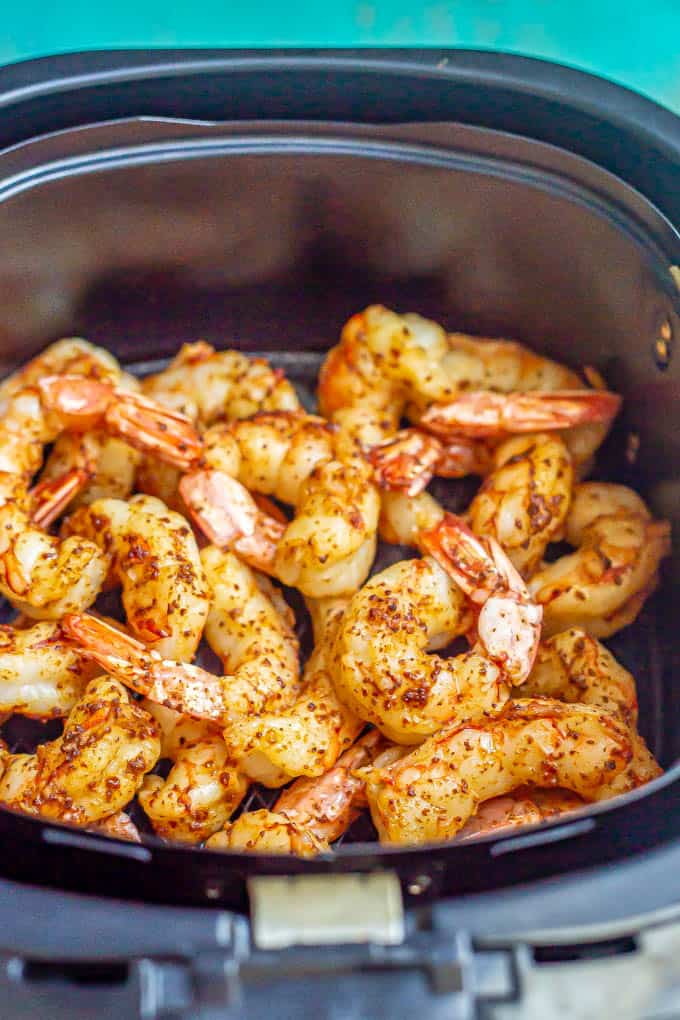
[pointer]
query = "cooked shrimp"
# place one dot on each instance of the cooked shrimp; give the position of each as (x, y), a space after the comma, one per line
(328, 548)
(602, 586)
(383, 671)
(482, 413)
(243, 627)
(307, 738)
(508, 623)
(109, 462)
(94, 768)
(387, 364)
(118, 826)
(266, 832)
(202, 789)
(429, 794)
(41, 676)
(156, 560)
(523, 502)
(512, 811)
(573, 666)
(310, 814)
(210, 386)
(39, 574)
(222, 385)
(71, 356)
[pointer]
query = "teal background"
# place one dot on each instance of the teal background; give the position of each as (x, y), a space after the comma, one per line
(635, 43)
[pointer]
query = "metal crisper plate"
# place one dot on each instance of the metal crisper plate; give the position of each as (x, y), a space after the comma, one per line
(638, 647)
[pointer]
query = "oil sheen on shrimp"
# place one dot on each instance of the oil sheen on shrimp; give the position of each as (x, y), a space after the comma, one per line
(244, 627)
(96, 766)
(307, 738)
(524, 500)
(329, 546)
(384, 669)
(156, 560)
(41, 676)
(430, 794)
(602, 586)
(309, 815)
(202, 789)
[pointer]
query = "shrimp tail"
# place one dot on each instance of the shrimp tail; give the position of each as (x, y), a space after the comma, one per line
(484, 413)
(406, 461)
(229, 516)
(82, 404)
(50, 497)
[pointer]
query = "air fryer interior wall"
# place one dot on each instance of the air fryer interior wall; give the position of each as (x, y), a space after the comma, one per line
(141, 236)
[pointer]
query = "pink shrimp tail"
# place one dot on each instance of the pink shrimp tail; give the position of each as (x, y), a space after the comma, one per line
(484, 413)
(50, 498)
(229, 516)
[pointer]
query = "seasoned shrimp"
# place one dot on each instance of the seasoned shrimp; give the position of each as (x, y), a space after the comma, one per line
(156, 560)
(202, 789)
(383, 671)
(94, 768)
(307, 738)
(267, 832)
(70, 356)
(310, 814)
(602, 586)
(255, 643)
(387, 364)
(118, 826)
(109, 463)
(328, 548)
(210, 386)
(40, 574)
(525, 806)
(221, 385)
(523, 502)
(573, 666)
(41, 675)
(429, 794)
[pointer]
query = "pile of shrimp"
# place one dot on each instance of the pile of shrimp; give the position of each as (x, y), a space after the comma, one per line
(460, 692)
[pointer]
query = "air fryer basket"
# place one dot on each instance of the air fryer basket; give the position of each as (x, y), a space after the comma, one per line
(266, 235)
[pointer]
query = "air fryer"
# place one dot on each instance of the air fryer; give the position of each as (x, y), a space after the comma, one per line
(256, 200)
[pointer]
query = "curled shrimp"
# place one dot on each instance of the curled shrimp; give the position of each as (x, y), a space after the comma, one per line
(328, 547)
(210, 386)
(430, 794)
(41, 676)
(155, 558)
(602, 586)
(221, 385)
(202, 789)
(575, 667)
(307, 738)
(96, 766)
(310, 814)
(383, 670)
(524, 500)
(387, 365)
(40, 574)
(243, 627)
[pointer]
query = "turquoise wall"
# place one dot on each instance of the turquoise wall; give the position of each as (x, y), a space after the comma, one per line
(635, 43)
